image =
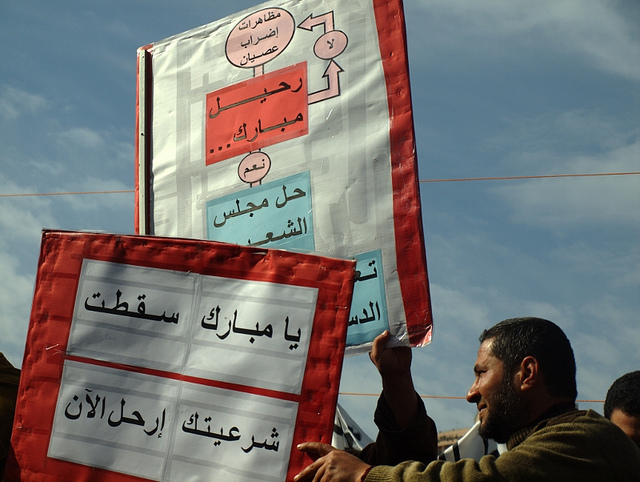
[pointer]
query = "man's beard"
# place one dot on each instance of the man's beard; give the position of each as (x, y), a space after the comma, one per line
(505, 413)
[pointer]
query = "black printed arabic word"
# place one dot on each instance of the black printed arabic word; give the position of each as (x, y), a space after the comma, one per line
(192, 427)
(233, 434)
(359, 276)
(255, 167)
(251, 207)
(251, 58)
(366, 318)
(266, 17)
(264, 445)
(211, 323)
(261, 97)
(122, 309)
(242, 130)
(292, 231)
(251, 41)
(135, 418)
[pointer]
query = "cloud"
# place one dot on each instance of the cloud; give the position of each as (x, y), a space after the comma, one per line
(589, 201)
(617, 266)
(81, 138)
(553, 141)
(15, 304)
(101, 205)
(572, 203)
(15, 103)
(599, 32)
(604, 351)
(56, 152)
(22, 217)
(461, 307)
(460, 314)
(21, 222)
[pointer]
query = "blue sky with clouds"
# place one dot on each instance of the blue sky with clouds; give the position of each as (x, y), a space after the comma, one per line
(500, 89)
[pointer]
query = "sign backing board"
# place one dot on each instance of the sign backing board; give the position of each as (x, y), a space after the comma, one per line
(150, 358)
(290, 125)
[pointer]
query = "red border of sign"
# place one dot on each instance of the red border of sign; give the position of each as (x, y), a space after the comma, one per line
(411, 255)
(57, 280)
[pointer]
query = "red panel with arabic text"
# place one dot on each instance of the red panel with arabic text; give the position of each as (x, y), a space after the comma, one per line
(256, 113)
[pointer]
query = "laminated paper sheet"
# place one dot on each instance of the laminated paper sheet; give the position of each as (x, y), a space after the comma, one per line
(290, 125)
(174, 359)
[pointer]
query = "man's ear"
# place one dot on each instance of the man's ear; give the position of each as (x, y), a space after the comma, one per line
(528, 375)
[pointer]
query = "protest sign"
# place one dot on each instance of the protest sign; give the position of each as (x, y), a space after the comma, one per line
(169, 359)
(290, 125)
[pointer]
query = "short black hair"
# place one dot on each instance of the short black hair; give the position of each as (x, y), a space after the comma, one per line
(624, 394)
(516, 338)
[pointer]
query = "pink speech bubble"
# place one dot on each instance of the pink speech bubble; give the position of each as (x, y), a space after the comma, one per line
(330, 45)
(254, 167)
(260, 37)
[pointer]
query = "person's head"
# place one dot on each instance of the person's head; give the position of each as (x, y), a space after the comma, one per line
(622, 404)
(524, 367)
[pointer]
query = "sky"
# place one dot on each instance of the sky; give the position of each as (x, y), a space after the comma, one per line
(530, 91)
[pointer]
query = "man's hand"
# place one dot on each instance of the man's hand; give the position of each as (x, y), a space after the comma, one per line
(330, 464)
(390, 362)
(394, 365)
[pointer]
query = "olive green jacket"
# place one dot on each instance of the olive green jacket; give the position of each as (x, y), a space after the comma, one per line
(570, 446)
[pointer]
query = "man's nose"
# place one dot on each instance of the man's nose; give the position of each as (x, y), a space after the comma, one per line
(473, 395)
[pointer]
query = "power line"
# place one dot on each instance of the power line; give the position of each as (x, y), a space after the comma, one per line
(461, 179)
(511, 178)
(33, 194)
(440, 397)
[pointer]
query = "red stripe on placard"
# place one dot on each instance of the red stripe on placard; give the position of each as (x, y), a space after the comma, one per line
(189, 379)
(409, 238)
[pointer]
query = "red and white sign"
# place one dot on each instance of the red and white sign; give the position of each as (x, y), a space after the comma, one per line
(305, 97)
(163, 359)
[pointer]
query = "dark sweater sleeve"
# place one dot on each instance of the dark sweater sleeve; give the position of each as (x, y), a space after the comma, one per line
(418, 441)
(9, 380)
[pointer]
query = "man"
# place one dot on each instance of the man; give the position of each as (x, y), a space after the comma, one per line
(525, 392)
(405, 430)
(9, 381)
(622, 404)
